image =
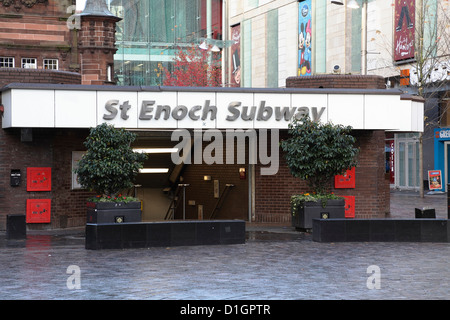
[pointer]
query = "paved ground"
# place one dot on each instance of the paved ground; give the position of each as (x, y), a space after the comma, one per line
(275, 263)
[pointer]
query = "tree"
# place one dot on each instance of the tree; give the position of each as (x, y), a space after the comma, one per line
(317, 152)
(194, 67)
(109, 165)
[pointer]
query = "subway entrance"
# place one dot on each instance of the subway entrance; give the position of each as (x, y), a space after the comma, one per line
(188, 190)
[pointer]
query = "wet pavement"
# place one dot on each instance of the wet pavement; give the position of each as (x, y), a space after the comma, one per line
(275, 263)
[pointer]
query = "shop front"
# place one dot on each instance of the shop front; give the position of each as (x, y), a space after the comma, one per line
(439, 177)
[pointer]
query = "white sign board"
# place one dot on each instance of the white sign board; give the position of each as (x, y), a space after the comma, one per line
(81, 107)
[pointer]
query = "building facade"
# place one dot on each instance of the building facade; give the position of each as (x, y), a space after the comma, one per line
(153, 31)
(280, 38)
(28, 41)
(46, 118)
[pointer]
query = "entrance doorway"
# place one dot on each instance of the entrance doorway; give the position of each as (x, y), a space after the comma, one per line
(188, 191)
(407, 173)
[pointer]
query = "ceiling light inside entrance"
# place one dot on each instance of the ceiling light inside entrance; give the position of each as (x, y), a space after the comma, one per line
(154, 170)
(156, 150)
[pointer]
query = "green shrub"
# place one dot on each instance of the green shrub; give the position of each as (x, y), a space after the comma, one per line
(316, 152)
(109, 165)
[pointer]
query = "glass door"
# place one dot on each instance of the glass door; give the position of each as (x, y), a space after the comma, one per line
(407, 175)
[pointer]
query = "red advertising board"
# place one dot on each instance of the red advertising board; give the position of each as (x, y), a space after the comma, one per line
(38, 210)
(39, 179)
(347, 180)
(349, 206)
(404, 25)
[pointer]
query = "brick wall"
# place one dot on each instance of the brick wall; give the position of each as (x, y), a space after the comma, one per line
(12, 75)
(337, 81)
(38, 31)
(49, 148)
(371, 193)
(272, 193)
(97, 49)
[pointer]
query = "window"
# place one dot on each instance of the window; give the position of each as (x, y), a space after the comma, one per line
(6, 62)
(29, 63)
(109, 73)
(51, 64)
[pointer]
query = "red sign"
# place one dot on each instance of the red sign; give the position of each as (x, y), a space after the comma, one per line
(404, 77)
(39, 179)
(38, 210)
(404, 29)
(349, 206)
(345, 181)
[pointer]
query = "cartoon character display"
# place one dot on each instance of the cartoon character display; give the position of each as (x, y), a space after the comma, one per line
(301, 48)
(304, 46)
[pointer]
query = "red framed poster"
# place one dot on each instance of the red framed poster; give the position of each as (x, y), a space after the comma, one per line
(39, 179)
(435, 179)
(38, 210)
(345, 181)
(349, 206)
(404, 29)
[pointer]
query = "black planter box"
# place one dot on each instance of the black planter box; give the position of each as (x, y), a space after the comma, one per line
(381, 230)
(164, 234)
(425, 213)
(303, 218)
(113, 212)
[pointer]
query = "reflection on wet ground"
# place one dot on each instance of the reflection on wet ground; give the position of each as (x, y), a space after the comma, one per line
(77, 238)
(274, 236)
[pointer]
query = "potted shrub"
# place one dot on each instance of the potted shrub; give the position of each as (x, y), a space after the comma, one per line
(316, 152)
(108, 168)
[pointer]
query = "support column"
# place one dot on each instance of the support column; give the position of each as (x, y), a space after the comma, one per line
(97, 44)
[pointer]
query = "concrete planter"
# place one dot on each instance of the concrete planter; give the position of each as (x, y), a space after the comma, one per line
(113, 212)
(302, 218)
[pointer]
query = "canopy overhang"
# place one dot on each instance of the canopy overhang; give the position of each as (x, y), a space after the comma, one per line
(79, 106)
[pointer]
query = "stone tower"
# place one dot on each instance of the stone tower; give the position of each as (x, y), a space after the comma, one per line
(96, 43)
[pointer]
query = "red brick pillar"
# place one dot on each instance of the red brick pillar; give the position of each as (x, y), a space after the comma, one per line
(97, 44)
(372, 193)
